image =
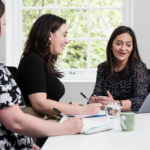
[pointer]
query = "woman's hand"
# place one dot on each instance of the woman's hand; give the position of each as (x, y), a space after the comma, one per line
(72, 125)
(35, 146)
(94, 99)
(91, 109)
(104, 100)
(74, 103)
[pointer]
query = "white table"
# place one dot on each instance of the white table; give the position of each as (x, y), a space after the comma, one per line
(138, 139)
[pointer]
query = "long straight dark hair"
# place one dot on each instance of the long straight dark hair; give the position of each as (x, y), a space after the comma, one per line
(110, 57)
(2, 10)
(38, 40)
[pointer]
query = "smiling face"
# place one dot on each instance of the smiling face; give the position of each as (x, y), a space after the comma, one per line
(58, 40)
(122, 47)
(3, 20)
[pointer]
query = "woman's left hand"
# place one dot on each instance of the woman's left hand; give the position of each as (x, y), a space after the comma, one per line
(103, 100)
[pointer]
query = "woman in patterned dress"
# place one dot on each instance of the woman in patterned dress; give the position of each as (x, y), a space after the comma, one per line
(122, 77)
(16, 127)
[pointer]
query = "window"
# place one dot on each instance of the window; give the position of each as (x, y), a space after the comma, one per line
(90, 24)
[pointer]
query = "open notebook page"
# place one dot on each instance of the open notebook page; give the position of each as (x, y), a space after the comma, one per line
(91, 126)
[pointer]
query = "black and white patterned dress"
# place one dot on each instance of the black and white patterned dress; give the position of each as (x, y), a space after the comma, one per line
(10, 95)
(133, 87)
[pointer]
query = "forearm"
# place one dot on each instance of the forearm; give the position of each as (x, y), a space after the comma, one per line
(41, 104)
(15, 120)
(35, 127)
(47, 106)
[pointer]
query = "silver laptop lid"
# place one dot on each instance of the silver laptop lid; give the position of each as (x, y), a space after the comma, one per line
(145, 108)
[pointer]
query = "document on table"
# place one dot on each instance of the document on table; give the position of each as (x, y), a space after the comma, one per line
(100, 114)
(91, 126)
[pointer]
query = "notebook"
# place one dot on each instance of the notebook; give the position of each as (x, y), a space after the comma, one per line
(91, 126)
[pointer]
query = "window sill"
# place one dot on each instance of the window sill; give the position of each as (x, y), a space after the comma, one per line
(79, 78)
(77, 81)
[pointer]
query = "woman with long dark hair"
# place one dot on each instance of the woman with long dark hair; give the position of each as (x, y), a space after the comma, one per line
(37, 73)
(123, 76)
(16, 127)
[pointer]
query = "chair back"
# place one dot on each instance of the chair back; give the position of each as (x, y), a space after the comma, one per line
(13, 71)
(148, 76)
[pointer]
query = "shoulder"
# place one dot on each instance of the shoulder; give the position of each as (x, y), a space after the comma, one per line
(31, 64)
(102, 68)
(138, 65)
(102, 65)
(31, 60)
(32, 57)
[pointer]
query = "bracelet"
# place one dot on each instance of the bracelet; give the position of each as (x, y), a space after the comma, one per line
(120, 102)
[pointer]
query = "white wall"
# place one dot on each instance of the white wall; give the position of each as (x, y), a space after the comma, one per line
(142, 28)
(73, 90)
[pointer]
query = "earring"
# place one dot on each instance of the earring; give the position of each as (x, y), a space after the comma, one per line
(50, 42)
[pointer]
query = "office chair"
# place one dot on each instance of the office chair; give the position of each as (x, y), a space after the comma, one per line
(13, 71)
(148, 76)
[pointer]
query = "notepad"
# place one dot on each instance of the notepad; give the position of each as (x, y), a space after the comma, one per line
(91, 126)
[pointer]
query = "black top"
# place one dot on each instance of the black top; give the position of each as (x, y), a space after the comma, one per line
(33, 77)
(10, 95)
(133, 87)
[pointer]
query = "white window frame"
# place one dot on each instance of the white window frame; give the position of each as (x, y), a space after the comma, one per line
(14, 32)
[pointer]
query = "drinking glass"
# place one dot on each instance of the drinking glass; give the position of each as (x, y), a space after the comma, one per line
(112, 109)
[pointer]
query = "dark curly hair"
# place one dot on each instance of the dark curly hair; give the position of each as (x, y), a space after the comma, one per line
(110, 57)
(38, 40)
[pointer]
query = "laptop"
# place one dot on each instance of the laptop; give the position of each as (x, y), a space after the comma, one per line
(145, 108)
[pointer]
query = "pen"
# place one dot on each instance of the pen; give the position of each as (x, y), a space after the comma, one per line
(85, 97)
(89, 116)
(62, 114)
(94, 116)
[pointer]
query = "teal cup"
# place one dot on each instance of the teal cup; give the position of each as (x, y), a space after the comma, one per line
(127, 121)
